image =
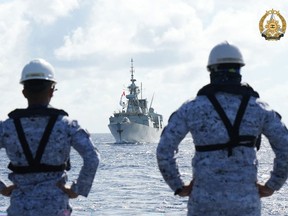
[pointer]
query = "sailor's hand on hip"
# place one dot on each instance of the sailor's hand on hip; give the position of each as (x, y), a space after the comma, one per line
(264, 191)
(186, 190)
(8, 190)
(71, 194)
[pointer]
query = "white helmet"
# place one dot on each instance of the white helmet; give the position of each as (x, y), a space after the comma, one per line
(225, 53)
(38, 69)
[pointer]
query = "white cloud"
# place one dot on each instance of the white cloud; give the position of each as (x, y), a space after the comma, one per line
(48, 11)
(121, 27)
(90, 43)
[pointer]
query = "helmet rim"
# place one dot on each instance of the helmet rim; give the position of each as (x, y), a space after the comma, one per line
(38, 69)
(225, 53)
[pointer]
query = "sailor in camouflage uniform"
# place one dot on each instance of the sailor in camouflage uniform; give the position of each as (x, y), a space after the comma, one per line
(38, 141)
(226, 121)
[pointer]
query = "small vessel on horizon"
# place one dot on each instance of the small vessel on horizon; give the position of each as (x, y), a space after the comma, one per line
(135, 123)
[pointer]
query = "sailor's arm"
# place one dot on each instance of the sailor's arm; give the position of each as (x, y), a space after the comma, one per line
(277, 134)
(2, 185)
(82, 143)
(4, 190)
(167, 149)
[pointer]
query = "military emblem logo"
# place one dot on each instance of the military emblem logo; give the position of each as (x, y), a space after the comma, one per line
(272, 25)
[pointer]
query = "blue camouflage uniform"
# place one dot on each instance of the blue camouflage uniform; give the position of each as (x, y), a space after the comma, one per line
(36, 193)
(223, 184)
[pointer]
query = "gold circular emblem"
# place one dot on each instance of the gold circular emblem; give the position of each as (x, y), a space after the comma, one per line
(275, 25)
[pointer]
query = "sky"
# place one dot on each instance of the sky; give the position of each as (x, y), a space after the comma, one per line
(91, 42)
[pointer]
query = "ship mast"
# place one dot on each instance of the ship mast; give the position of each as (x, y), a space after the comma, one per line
(134, 89)
(133, 102)
(132, 72)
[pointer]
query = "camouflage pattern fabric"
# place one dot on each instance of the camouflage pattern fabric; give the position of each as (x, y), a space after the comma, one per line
(223, 185)
(36, 193)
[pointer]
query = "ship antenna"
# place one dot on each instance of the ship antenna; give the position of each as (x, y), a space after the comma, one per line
(151, 101)
(132, 71)
(141, 90)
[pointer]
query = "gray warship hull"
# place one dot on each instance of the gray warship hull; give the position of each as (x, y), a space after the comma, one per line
(134, 133)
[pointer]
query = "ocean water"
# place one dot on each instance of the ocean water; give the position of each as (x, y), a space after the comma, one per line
(128, 181)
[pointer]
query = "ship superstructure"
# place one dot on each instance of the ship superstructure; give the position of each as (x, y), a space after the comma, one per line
(135, 123)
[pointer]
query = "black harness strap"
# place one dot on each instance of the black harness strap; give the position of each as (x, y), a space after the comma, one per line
(23, 141)
(45, 138)
(20, 113)
(240, 113)
(35, 164)
(246, 141)
(38, 168)
(233, 130)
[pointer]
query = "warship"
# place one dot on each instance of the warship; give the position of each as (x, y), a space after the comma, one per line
(135, 122)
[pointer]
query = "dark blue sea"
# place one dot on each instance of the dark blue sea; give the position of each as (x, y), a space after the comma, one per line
(128, 181)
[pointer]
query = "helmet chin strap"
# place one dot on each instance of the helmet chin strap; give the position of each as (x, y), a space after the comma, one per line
(225, 78)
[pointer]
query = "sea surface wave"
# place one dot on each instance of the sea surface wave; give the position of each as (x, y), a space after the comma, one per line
(128, 181)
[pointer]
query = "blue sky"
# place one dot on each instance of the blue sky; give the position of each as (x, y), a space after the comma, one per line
(90, 43)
